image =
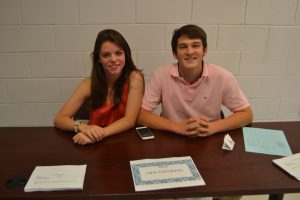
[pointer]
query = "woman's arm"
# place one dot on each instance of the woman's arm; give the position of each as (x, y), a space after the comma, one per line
(64, 118)
(134, 101)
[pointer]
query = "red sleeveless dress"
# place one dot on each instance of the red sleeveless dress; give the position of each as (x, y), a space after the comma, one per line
(107, 114)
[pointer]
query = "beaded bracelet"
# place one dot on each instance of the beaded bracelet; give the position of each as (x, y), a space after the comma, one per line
(76, 126)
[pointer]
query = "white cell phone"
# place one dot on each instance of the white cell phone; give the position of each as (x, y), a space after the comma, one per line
(145, 133)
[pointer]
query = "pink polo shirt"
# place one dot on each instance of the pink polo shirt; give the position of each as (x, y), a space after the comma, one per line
(181, 100)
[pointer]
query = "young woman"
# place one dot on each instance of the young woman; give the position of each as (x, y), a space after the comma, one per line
(114, 92)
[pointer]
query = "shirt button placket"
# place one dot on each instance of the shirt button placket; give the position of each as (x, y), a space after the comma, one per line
(189, 94)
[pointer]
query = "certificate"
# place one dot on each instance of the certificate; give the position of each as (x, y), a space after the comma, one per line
(155, 174)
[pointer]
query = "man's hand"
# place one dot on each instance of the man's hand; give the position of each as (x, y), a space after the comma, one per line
(198, 127)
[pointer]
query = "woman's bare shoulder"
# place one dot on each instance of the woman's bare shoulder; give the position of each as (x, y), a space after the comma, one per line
(86, 80)
(138, 75)
(136, 80)
(85, 86)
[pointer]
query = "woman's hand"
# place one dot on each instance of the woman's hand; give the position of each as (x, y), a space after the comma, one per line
(81, 138)
(89, 134)
(93, 132)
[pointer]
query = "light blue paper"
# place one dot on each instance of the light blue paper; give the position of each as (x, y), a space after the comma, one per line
(267, 141)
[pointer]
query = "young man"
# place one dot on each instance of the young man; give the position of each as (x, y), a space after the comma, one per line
(191, 92)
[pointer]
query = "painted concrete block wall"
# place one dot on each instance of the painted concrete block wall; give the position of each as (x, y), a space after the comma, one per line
(45, 48)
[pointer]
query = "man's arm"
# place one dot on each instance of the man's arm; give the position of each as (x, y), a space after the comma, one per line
(151, 120)
(235, 120)
(196, 126)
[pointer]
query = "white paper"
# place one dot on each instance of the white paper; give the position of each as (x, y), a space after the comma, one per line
(228, 143)
(62, 177)
(154, 174)
(290, 164)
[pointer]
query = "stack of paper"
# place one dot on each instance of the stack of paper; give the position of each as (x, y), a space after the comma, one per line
(290, 164)
(154, 174)
(63, 177)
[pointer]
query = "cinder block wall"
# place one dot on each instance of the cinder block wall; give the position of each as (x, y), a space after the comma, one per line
(45, 48)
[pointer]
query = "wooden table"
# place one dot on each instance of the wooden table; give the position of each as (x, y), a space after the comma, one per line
(108, 174)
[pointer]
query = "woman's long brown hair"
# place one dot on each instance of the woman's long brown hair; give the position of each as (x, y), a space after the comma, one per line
(99, 85)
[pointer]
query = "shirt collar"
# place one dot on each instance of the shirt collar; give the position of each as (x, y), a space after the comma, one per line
(175, 73)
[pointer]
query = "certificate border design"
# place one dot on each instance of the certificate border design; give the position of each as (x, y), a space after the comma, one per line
(137, 176)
